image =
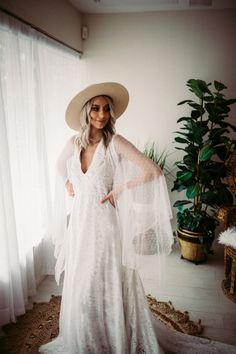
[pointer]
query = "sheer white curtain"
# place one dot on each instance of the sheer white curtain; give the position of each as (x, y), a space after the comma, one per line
(37, 79)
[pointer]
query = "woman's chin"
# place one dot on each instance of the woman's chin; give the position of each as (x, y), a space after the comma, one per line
(100, 126)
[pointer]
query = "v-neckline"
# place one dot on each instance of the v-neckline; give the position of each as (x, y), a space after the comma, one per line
(94, 155)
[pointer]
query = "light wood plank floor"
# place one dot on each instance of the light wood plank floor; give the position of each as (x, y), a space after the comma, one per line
(190, 287)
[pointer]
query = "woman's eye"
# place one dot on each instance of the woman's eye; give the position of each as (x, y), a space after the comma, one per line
(107, 109)
(95, 109)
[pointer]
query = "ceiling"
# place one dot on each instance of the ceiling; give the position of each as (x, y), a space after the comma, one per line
(124, 6)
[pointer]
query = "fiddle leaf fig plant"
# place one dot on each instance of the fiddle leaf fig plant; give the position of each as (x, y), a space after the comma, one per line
(206, 139)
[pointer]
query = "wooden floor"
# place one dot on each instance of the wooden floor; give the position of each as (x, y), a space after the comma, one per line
(190, 287)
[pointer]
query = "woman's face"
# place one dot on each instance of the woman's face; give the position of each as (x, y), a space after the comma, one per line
(100, 113)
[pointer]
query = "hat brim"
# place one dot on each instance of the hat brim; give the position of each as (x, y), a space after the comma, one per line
(117, 92)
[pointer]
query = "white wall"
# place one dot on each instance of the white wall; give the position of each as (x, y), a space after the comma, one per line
(154, 54)
(58, 18)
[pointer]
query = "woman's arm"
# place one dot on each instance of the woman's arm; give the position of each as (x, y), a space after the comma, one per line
(148, 170)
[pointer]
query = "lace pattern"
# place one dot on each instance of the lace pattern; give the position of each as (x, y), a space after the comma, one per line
(103, 307)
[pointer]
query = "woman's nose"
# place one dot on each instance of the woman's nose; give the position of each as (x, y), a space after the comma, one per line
(101, 113)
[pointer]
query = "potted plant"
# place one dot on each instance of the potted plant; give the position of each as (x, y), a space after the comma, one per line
(159, 158)
(206, 144)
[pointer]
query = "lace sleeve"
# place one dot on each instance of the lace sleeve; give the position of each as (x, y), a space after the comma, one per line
(143, 206)
(59, 219)
(61, 163)
(148, 170)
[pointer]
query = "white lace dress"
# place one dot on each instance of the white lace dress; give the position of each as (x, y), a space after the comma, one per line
(104, 310)
(103, 306)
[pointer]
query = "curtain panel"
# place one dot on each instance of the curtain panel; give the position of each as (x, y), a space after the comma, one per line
(37, 79)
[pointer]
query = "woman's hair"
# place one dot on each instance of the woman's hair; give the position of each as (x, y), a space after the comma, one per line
(84, 132)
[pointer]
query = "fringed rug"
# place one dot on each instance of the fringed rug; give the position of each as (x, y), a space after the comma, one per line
(172, 318)
(40, 325)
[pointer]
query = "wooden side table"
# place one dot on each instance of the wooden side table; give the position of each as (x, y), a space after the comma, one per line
(227, 215)
(230, 266)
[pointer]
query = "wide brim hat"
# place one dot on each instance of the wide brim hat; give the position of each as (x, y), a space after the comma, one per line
(117, 92)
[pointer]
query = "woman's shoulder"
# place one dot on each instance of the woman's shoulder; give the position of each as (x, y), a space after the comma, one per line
(74, 138)
(75, 141)
(71, 144)
(121, 145)
(119, 139)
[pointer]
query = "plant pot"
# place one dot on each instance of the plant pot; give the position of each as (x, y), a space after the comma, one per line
(195, 246)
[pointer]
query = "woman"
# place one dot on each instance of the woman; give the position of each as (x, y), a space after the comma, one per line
(120, 217)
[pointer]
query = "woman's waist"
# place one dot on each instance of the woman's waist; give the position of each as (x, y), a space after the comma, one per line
(90, 190)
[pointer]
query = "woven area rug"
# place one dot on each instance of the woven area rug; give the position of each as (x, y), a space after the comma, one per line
(172, 318)
(40, 325)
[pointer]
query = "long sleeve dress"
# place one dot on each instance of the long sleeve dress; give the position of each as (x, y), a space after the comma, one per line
(103, 309)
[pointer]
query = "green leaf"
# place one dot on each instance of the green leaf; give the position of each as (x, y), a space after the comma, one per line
(183, 119)
(199, 87)
(180, 140)
(181, 188)
(192, 191)
(184, 175)
(189, 136)
(224, 196)
(206, 153)
(181, 166)
(183, 102)
(190, 160)
(226, 124)
(206, 176)
(210, 107)
(220, 140)
(178, 148)
(221, 151)
(230, 101)
(219, 86)
(195, 114)
(182, 133)
(196, 106)
(179, 203)
(215, 169)
(199, 130)
(217, 137)
(209, 197)
(178, 186)
(209, 98)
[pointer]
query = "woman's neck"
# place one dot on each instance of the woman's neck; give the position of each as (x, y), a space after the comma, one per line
(95, 136)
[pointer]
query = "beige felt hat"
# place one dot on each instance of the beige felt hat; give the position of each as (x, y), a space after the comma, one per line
(114, 90)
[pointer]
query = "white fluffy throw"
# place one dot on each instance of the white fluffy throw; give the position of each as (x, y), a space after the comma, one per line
(228, 237)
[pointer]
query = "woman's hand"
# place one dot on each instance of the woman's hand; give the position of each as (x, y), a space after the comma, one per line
(70, 189)
(110, 197)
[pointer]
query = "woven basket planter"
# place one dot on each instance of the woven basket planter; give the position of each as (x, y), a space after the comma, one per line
(195, 246)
